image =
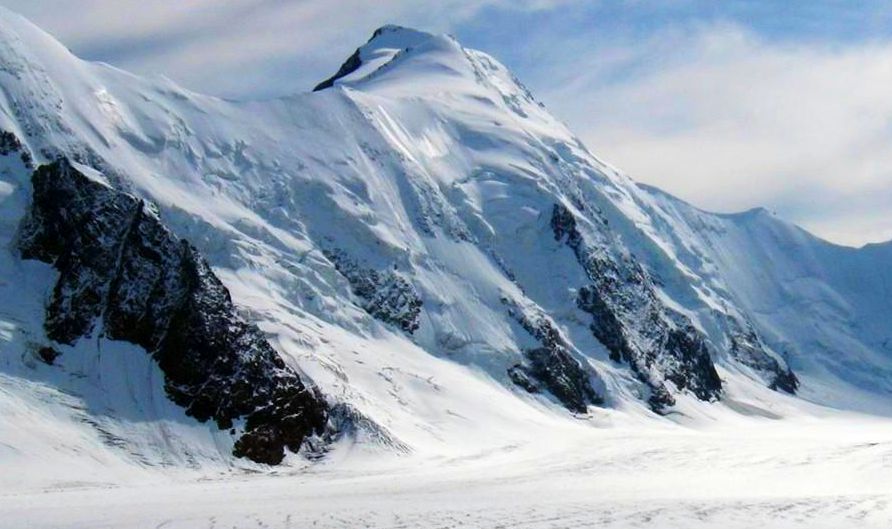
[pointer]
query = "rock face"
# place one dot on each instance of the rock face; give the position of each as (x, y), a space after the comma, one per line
(747, 348)
(350, 65)
(353, 62)
(119, 265)
(10, 144)
(628, 318)
(386, 295)
(551, 365)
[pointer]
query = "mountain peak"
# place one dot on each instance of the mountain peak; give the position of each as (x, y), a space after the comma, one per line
(397, 32)
(385, 44)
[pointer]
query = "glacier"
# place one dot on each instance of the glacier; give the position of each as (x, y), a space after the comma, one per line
(467, 287)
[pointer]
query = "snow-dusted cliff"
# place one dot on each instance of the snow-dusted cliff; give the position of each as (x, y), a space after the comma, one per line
(421, 240)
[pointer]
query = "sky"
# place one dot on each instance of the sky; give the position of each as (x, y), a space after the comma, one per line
(727, 104)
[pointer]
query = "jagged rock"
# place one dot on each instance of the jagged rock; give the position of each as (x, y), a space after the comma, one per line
(518, 374)
(353, 62)
(785, 381)
(633, 324)
(563, 376)
(350, 65)
(48, 355)
(10, 144)
(605, 325)
(118, 262)
(747, 348)
(551, 365)
(386, 295)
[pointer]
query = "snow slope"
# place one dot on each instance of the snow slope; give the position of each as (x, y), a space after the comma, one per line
(427, 171)
(825, 307)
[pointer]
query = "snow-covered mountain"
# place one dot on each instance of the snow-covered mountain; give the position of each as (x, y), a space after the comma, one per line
(414, 257)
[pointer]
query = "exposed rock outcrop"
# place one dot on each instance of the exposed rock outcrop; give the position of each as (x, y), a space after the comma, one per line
(386, 295)
(628, 318)
(10, 144)
(551, 365)
(354, 61)
(350, 65)
(748, 349)
(121, 267)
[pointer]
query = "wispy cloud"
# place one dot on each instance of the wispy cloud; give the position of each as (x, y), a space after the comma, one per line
(727, 120)
(727, 104)
(240, 47)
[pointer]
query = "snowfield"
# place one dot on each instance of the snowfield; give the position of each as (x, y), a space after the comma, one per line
(813, 473)
(507, 331)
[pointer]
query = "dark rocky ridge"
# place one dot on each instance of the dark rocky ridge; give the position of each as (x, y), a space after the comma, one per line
(353, 62)
(10, 144)
(551, 365)
(386, 295)
(350, 65)
(633, 324)
(117, 262)
(747, 348)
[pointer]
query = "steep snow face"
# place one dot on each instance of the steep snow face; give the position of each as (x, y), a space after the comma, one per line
(824, 307)
(439, 254)
(491, 167)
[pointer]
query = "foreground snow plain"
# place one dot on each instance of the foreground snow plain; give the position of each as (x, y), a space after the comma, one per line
(827, 472)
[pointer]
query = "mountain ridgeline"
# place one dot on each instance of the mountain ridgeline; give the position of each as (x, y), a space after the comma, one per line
(417, 241)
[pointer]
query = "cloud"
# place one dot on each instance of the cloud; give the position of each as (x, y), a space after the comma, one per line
(729, 105)
(238, 47)
(728, 120)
